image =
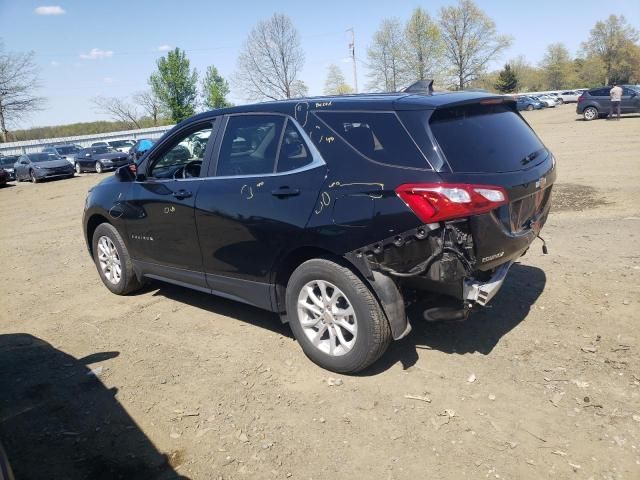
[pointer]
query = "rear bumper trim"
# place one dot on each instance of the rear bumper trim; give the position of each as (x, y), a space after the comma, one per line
(482, 292)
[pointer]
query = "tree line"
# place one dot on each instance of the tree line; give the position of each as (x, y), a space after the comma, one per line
(455, 46)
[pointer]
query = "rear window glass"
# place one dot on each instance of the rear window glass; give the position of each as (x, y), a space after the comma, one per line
(378, 136)
(485, 138)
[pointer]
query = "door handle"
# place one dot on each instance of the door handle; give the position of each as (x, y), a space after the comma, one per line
(180, 194)
(285, 192)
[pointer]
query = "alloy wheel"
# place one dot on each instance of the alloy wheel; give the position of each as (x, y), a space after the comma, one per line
(78, 169)
(590, 113)
(327, 318)
(98, 167)
(109, 260)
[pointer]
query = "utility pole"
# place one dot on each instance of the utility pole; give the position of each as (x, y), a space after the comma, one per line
(352, 47)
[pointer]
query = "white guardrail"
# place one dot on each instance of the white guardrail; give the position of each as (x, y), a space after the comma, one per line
(32, 146)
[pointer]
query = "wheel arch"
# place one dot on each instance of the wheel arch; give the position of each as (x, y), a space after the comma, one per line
(92, 223)
(382, 286)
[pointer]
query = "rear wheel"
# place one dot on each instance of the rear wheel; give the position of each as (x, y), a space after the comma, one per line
(98, 167)
(335, 317)
(560, 101)
(590, 113)
(112, 260)
(529, 107)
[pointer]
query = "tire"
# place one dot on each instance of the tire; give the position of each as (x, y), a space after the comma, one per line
(98, 167)
(78, 168)
(33, 177)
(590, 113)
(529, 107)
(372, 333)
(127, 281)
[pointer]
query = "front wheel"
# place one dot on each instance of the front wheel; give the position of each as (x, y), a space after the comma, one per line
(98, 167)
(529, 108)
(32, 176)
(112, 260)
(78, 169)
(590, 113)
(335, 317)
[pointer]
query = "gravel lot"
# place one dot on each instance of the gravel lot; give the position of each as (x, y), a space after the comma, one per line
(543, 384)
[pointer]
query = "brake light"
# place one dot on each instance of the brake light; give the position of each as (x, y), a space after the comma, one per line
(581, 98)
(435, 202)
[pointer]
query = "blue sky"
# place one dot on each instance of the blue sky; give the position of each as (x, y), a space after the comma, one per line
(86, 48)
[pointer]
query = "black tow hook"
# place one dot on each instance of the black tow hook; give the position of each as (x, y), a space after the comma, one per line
(545, 250)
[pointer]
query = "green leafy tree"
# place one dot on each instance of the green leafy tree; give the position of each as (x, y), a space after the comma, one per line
(558, 67)
(507, 80)
(610, 41)
(335, 84)
(215, 89)
(175, 85)
(423, 47)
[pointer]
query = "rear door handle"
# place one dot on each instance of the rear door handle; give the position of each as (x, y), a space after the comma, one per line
(180, 194)
(285, 192)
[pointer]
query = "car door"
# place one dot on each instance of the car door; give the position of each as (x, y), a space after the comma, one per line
(22, 167)
(256, 202)
(630, 101)
(162, 234)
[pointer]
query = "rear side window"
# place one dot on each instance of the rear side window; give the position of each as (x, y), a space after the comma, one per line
(294, 153)
(379, 136)
(485, 139)
(600, 92)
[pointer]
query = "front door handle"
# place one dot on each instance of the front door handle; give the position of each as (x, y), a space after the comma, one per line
(180, 194)
(285, 192)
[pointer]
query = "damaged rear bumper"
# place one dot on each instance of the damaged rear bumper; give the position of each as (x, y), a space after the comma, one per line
(482, 292)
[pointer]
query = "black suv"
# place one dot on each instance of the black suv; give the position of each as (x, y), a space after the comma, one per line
(595, 103)
(337, 213)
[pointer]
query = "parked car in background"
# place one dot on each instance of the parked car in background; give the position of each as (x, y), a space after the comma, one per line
(99, 159)
(7, 164)
(528, 103)
(41, 166)
(3, 178)
(595, 103)
(548, 100)
(68, 151)
(569, 96)
(119, 145)
(139, 149)
(339, 213)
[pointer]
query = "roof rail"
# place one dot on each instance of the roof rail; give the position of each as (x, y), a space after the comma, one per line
(421, 86)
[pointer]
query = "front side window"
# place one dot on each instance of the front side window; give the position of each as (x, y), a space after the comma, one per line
(183, 158)
(250, 145)
(378, 136)
(294, 153)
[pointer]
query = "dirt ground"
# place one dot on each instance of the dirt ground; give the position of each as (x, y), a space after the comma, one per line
(545, 383)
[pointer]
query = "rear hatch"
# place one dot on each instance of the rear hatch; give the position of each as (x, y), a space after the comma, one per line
(489, 143)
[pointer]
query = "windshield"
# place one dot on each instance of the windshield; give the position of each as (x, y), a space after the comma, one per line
(496, 139)
(8, 161)
(102, 150)
(67, 150)
(43, 157)
(121, 143)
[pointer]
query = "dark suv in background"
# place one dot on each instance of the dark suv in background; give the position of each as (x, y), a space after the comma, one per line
(338, 213)
(595, 103)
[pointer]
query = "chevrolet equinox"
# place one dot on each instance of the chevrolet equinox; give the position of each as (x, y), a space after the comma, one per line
(338, 213)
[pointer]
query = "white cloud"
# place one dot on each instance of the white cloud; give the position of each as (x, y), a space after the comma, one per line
(96, 53)
(109, 80)
(55, 63)
(50, 10)
(164, 48)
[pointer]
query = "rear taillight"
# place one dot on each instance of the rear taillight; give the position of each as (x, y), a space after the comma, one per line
(581, 98)
(435, 202)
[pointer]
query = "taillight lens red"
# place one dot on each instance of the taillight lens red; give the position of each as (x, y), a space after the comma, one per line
(435, 202)
(581, 98)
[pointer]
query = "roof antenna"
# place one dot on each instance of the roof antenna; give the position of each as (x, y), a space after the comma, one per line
(421, 86)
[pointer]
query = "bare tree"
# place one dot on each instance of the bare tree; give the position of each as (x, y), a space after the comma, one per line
(424, 47)
(150, 104)
(385, 57)
(118, 109)
(18, 83)
(470, 40)
(335, 84)
(271, 60)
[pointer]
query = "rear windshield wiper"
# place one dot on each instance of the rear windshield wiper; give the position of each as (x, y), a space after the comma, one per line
(531, 157)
